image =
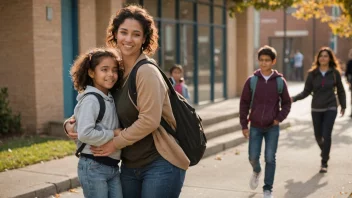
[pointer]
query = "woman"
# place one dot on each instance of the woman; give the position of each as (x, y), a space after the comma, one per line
(153, 164)
(323, 78)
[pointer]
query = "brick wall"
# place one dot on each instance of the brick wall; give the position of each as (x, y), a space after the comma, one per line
(303, 43)
(17, 59)
(47, 63)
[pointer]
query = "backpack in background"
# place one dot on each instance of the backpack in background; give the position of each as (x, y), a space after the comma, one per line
(189, 131)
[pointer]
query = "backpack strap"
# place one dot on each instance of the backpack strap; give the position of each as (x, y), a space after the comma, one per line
(280, 85)
(99, 119)
(132, 89)
(253, 85)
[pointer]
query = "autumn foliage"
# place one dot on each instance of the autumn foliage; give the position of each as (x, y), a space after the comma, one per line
(306, 9)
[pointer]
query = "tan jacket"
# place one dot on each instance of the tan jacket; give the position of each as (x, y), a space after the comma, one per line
(153, 102)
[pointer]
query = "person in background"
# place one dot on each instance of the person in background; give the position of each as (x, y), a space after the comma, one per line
(176, 73)
(298, 65)
(264, 117)
(323, 78)
(348, 73)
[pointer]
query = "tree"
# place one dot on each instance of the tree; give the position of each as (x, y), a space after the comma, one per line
(306, 9)
(340, 25)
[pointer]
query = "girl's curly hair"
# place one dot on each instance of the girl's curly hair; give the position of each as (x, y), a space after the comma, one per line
(145, 19)
(333, 63)
(79, 69)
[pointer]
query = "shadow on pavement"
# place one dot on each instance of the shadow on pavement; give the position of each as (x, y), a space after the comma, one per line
(304, 138)
(252, 195)
(303, 190)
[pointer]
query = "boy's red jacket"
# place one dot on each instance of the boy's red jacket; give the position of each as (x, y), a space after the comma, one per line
(265, 107)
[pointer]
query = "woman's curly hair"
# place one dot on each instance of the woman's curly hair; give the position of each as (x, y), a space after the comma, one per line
(333, 63)
(89, 60)
(145, 19)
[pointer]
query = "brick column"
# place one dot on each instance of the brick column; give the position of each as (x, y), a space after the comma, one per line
(231, 57)
(104, 10)
(47, 48)
(244, 47)
(87, 25)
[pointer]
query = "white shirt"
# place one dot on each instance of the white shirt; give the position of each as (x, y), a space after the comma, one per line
(298, 59)
(323, 72)
(267, 77)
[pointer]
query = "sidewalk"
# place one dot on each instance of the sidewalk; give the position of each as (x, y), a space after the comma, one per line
(48, 178)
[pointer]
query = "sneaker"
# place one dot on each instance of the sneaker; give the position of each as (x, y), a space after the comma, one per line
(254, 182)
(267, 194)
(323, 170)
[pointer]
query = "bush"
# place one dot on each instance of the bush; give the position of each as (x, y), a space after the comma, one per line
(9, 123)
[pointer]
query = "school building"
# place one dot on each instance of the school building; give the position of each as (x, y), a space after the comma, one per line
(39, 40)
(305, 36)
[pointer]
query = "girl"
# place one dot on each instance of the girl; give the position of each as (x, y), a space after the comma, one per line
(323, 78)
(153, 164)
(176, 73)
(96, 72)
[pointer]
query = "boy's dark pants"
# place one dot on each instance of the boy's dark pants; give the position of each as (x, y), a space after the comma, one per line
(271, 137)
(323, 123)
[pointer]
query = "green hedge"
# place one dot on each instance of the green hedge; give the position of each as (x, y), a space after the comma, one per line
(9, 123)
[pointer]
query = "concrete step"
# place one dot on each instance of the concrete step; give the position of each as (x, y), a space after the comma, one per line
(229, 140)
(222, 128)
(55, 127)
(208, 120)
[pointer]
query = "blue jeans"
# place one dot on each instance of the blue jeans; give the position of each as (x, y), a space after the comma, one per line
(99, 180)
(158, 179)
(271, 137)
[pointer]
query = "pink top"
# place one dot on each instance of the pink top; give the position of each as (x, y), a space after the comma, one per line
(178, 88)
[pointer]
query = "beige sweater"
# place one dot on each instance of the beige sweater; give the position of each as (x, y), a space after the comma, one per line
(153, 102)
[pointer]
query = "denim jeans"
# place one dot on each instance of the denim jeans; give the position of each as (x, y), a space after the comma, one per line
(323, 123)
(99, 180)
(158, 179)
(271, 137)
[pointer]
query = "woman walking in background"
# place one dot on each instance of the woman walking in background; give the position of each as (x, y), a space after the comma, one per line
(323, 79)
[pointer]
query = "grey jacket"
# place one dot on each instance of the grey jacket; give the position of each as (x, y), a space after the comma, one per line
(86, 112)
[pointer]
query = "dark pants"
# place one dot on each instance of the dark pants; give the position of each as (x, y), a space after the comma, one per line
(271, 137)
(158, 179)
(298, 73)
(323, 123)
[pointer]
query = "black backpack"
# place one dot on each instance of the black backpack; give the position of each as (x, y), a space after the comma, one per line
(99, 119)
(189, 132)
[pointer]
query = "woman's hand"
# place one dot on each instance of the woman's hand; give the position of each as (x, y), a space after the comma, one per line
(342, 112)
(103, 150)
(292, 100)
(70, 128)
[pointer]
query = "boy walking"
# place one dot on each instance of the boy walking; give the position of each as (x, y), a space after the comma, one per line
(261, 96)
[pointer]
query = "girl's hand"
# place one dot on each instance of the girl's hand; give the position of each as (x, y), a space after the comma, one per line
(291, 100)
(70, 128)
(103, 150)
(117, 132)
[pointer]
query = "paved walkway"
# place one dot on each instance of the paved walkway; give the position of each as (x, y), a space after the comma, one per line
(297, 167)
(226, 174)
